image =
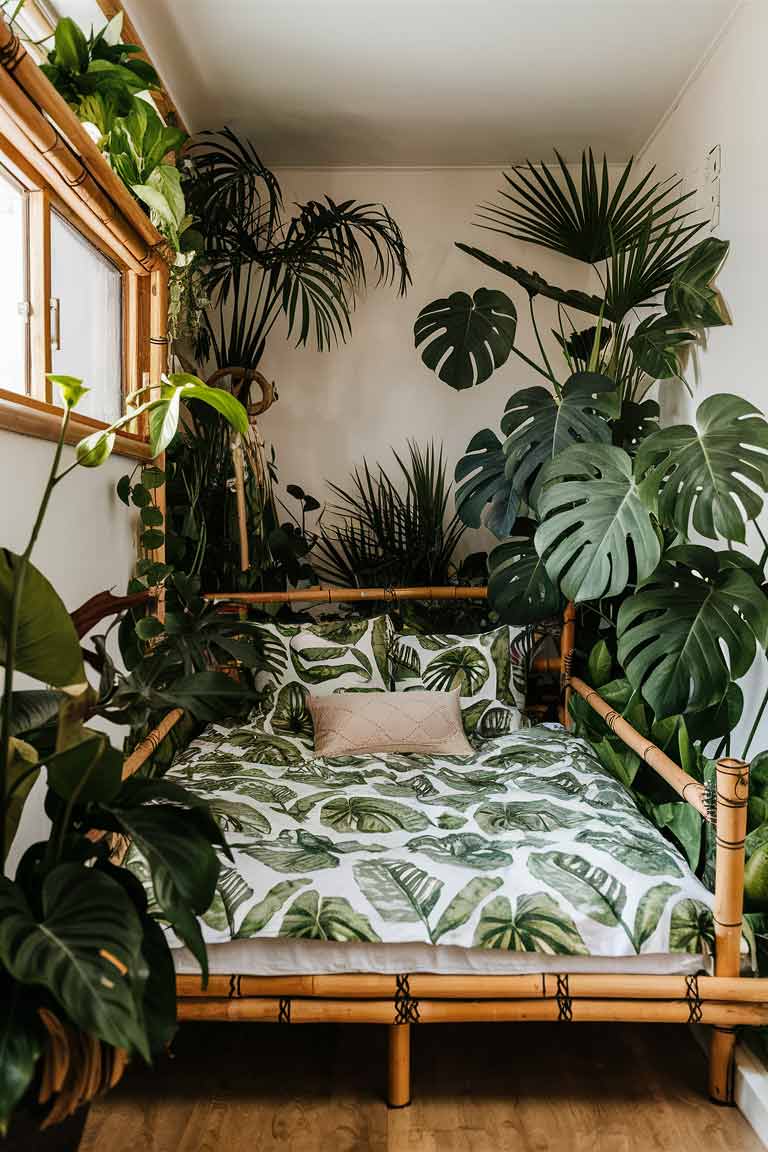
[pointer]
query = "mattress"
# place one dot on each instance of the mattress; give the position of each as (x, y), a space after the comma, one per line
(526, 856)
(317, 958)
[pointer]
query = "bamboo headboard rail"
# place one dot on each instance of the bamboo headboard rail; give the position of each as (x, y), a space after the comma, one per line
(692, 791)
(350, 595)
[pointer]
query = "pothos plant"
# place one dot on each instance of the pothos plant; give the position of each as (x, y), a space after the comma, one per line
(80, 951)
(643, 527)
(109, 87)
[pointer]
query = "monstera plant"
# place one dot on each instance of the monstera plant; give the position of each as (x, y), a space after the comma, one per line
(86, 976)
(644, 527)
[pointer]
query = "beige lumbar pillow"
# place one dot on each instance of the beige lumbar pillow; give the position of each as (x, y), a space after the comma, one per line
(355, 723)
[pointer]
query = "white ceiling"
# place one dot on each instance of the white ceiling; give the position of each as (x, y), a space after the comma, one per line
(427, 81)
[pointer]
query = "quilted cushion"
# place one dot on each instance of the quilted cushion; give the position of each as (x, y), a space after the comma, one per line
(354, 723)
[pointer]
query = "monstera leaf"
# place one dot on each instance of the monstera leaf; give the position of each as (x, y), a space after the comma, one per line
(690, 295)
(592, 890)
(591, 509)
(370, 814)
(400, 892)
(691, 928)
(635, 423)
(656, 344)
(462, 667)
(672, 632)
(538, 427)
(535, 285)
(312, 917)
(519, 588)
(708, 474)
(468, 337)
(480, 475)
(84, 947)
(537, 925)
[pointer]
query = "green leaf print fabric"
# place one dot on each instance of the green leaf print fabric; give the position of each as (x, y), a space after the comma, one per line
(332, 656)
(533, 847)
(490, 680)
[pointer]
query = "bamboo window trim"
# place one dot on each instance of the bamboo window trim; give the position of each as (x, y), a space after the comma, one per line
(52, 156)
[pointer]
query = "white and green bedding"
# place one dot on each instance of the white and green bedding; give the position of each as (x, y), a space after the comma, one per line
(527, 847)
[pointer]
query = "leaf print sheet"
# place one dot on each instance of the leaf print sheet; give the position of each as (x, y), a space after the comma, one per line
(530, 846)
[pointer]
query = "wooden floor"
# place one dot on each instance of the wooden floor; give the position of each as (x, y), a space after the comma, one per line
(506, 1088)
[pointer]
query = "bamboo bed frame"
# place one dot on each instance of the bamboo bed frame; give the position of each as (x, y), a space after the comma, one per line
(725, 1001)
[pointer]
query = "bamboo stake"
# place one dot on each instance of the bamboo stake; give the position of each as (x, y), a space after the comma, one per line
(567, 643)
(436, 987)
(399, 1066)
(731, 829)
(684, 784)
(236, 447)
(314, 1011)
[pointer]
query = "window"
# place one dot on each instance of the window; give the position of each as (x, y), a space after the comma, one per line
(86, 320)
(14, 286)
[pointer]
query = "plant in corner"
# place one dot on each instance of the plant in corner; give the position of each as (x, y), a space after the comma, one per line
(86, 976)
(591, 501)
(259, 267)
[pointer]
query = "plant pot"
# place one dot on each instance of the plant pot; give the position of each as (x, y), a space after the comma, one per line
(25, 1134)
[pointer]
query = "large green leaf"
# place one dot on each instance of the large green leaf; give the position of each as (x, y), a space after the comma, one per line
(710, 476)
(641, 852)
(85, 948)
(495, 817)
(690, 295)
(400, 892)
(47, 647)
(467, 849)
(588, 887)
(464, 903)
(649, 912)
(691, 928)
(535, 285)
(656, 345)
(177, 843)
(674, 633)
(592, 510)
(538, 427)
(482, 482)
(586, 218)
(468, 337)
(370, 814)
(257, 917)
(20, 1048)
(537, 925)
(464, 668)
(312, 917)
(519, 588)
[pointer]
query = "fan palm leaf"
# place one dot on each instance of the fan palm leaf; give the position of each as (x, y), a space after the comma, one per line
(585, 221)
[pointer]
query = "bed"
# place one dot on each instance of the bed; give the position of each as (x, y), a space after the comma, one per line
(521, 883)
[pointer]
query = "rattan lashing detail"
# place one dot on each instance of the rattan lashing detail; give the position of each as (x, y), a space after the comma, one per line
(693, 998)
(564, 1000)
(406, 1007)
(284, 1010)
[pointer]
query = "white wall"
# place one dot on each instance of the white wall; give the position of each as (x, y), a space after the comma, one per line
(374, 392)
(725, 104)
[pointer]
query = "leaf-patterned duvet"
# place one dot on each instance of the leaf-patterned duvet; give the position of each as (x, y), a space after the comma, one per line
(530, 846)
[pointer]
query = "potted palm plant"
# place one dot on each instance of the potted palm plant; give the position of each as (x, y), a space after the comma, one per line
(86, 976)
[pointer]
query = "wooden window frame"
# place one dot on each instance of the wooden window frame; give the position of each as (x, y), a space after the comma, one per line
(50, 153)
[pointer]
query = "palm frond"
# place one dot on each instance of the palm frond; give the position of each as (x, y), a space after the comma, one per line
(392, 530)
(586, 222)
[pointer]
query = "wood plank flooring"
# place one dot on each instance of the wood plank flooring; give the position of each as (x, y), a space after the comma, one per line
(477, 1088)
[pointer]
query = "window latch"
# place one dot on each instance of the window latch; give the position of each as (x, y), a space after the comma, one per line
(55, 305)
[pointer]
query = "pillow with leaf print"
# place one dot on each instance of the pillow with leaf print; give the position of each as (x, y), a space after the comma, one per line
(333, 656)
(490, 682)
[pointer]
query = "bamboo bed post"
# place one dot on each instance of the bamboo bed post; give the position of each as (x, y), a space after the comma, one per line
(730, 832)
(399, 1066)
